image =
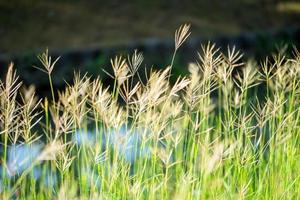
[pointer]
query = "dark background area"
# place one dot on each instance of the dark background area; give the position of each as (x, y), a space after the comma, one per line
(88, 33)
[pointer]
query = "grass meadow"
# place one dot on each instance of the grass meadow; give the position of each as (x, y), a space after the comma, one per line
(228, 130)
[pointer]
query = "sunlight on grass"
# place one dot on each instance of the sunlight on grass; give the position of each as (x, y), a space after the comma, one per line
(289, 7)
(227, 130)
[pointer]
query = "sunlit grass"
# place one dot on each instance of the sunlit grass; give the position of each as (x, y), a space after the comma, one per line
(289, 7)
(228, 130)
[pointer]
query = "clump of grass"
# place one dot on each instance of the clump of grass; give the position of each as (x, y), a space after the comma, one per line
(228, 130)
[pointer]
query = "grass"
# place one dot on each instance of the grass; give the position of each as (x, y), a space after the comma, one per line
(228, 130)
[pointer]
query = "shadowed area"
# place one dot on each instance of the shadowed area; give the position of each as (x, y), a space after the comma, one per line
(36, 24)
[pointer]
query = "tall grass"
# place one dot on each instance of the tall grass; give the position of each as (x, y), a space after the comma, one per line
(228, 130)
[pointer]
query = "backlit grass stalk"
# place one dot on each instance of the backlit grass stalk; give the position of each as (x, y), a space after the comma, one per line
(210, 135)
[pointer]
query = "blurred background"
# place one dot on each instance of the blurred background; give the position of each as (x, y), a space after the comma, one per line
(87, 33)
